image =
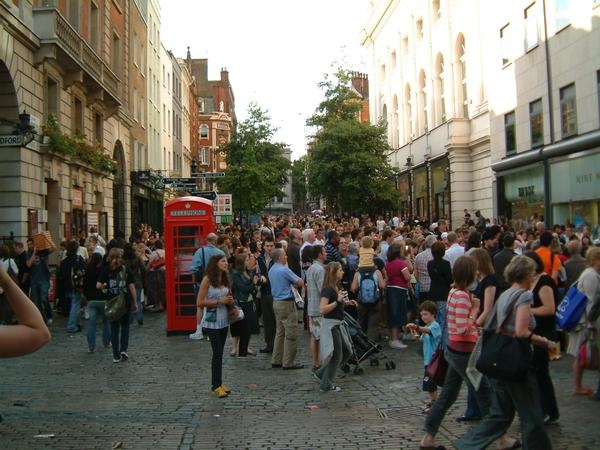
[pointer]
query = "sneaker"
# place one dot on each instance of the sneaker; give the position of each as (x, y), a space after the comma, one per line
(332, 389)
(220, 392)
(116, 360)
(408, 337)
(550, 420)
(197, 336)
(397, 344)
(124, 356)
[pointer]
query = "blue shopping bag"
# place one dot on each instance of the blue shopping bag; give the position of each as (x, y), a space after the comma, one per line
(571, 308)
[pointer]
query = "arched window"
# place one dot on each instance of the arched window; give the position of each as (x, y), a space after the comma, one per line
(461, 77)
(440, 95)
(384, 118)
(203, 131)
(408, 124)
(423, 123)
(395, 123)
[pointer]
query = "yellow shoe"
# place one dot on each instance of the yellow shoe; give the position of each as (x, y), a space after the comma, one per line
(220, 392)
(226, 388)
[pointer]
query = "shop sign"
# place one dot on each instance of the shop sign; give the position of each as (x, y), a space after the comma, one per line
(222, 205)
(10, 141)
(525, 186)
(188, 213)
(77, 198)
(575, 179)
(93, 219)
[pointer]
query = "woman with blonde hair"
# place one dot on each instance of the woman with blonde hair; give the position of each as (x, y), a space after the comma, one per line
(114, 280)
(589, 284)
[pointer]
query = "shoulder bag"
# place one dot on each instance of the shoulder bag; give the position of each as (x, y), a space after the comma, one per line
(437, 367)
(504, 357)
(116, 307)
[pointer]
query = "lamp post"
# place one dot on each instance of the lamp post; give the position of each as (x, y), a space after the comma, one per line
(409, 165)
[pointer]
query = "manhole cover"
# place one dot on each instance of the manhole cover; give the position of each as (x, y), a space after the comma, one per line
(399, 412)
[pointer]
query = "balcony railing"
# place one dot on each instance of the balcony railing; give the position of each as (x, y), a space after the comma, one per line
(53, 29)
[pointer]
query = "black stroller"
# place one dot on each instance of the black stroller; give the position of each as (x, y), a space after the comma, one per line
(363, 348)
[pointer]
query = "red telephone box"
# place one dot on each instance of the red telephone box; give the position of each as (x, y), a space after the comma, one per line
(188, 220)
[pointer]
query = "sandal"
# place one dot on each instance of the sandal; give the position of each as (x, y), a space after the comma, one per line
(584, 391)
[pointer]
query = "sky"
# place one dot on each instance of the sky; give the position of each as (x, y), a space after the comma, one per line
(276, 51)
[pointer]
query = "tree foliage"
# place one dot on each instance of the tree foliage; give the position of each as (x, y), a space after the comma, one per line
(348, 164)
(257, 169)
(299, 183)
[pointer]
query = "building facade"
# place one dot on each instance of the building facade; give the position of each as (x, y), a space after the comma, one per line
(176, 115)
(63, 67)
(545, 112)
(216, 118)
(428, 82)
(167, 112)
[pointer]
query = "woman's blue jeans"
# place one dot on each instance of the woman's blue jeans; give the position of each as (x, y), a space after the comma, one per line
(140, 313)
(96, 310)
(73, 323)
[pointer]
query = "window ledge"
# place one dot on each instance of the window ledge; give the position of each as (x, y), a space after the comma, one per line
(533, 47)
(564, 27)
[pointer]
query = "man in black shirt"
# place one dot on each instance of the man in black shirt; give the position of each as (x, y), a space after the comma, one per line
(501, 260)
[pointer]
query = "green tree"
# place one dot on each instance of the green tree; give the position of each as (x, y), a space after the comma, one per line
(256, 170)
(348, 164)
(299, 183)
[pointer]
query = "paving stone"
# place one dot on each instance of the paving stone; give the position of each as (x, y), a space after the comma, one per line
(161, 399)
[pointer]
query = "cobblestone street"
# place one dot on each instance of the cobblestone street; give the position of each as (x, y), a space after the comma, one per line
(160, 399)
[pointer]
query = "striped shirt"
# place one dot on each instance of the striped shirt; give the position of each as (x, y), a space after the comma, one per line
(420, 267)
(460, 327)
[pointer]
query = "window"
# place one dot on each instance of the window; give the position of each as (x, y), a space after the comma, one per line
(532, 36)
(116, 54)
(206, 156)
(151, 83)
(169, 121)
(142, 60)
(563, 13)
(408, 124)
(437, 12)
(143, 111)
(423, 124)
(536, 122)
(136, 156)
(203, 131)
(164, 117)
(95, 26)
(419, 28)
(98, 128)
(135, 50)
(462, 76)
(164, 76)
(568, 111)
(77, 115)
(51, 97)
(395, 142)
(394, 61)
(135, 104)
(169, 83)
(383, 71)
(405, 45)
(598, 87)
(505, 43)
(439, 90)
(509, 132)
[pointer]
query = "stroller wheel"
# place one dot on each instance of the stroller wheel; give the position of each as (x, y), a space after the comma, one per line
(345, 368)
(392, 365)
(358, 371)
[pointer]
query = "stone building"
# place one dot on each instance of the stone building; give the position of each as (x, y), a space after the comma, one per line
(428, 82)
(176, 115)
(63, 66)
(545, 112)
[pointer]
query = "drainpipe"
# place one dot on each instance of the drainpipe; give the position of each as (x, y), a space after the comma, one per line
(547, 182)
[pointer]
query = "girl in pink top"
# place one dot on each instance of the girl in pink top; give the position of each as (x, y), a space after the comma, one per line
(398, 270)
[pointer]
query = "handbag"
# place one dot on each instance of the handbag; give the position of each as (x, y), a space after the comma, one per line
(116, 307)
(587, 354)
(504, 357)
(571, 308)
(235, 314)
(437, 367)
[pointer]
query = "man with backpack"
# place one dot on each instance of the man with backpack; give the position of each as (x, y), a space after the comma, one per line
(199, 261)
(70, 283)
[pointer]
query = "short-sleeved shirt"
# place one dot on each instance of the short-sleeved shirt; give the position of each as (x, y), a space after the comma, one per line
(394, 272)
(281, 278)
(551, 262)
(332, 296)
(431, 341)
(314, 284)
(115, 285)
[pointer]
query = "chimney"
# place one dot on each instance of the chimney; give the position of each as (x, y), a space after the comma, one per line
(224, 75)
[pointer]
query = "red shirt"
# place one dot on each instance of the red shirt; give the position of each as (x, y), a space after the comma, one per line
(394, 272)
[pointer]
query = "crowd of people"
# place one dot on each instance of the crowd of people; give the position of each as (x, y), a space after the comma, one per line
(402, 281)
